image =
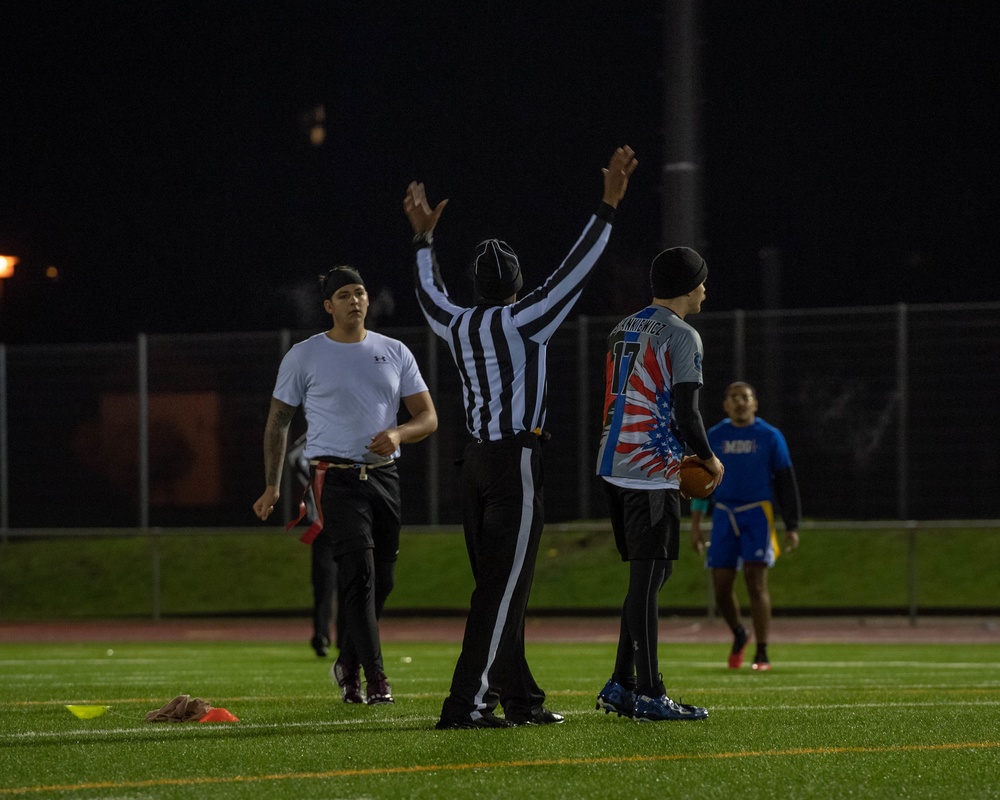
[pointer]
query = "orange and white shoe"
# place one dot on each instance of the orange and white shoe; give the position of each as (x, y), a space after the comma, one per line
(740, 639)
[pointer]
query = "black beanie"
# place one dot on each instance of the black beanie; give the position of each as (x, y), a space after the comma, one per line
(676, 272)
(337, 277)
(496, 272)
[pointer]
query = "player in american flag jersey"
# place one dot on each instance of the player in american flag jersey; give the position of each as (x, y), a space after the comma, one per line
(653, 375)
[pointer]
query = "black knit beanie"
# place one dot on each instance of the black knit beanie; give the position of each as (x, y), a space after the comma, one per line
(676, 272)
(496, 272)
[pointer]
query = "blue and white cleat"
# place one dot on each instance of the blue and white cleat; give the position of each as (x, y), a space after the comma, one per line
(615, 697)
(656, 709)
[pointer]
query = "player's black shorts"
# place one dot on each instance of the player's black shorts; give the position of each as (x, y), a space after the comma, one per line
(647, 524)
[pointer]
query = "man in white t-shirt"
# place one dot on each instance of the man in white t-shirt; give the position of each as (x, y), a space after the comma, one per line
(350, 381)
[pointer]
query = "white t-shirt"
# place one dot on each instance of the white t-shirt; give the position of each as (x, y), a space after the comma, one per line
(349, 392)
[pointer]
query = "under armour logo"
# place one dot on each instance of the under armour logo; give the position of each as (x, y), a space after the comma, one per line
(381, 359)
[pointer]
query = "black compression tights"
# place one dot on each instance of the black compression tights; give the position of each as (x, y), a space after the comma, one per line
(638, 637)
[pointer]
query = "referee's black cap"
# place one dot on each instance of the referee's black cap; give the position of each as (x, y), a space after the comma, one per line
(496, 272)
(677, 271)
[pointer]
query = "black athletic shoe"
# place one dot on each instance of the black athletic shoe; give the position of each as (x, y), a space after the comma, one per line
(539, 715)
(379, 691)
(484, 720)
(761, 663)
(348, 678)
(321, 645)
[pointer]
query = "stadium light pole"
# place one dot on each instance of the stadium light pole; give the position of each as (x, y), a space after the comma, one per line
(681, 178)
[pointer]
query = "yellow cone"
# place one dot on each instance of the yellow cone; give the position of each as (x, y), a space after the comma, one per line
(88, 712)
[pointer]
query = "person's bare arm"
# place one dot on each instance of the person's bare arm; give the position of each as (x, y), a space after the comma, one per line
(279, 418)
(697, 536)
(422, 423)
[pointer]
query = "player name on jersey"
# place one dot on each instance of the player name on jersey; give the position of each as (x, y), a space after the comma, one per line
(633, 325)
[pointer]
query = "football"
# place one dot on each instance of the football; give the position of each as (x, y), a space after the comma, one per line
(696, 480)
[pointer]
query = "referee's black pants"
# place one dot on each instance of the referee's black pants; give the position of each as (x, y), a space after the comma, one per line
(502, 515)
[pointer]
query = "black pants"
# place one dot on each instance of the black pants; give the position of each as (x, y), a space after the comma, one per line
(646, 525)
(502, 516)
(328, 611)
(361, 534)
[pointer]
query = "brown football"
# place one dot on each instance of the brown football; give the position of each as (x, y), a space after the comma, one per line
(696, 480)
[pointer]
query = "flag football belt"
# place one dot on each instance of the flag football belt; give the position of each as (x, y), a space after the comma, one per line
(764, 504)
(316, 487)
(732, 512)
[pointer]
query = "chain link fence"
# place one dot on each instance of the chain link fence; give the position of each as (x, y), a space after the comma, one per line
(888, 412)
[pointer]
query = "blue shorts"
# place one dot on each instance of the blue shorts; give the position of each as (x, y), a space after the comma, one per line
(742, 533)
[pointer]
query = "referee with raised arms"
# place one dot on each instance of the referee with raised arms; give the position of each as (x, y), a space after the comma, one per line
(499, 346)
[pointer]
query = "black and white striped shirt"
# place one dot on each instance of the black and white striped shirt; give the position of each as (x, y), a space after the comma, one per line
(500, 350)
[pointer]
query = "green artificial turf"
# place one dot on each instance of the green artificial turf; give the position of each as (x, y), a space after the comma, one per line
(255, 572)
(863, 721)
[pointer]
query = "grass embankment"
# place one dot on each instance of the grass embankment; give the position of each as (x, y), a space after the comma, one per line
(267, 572)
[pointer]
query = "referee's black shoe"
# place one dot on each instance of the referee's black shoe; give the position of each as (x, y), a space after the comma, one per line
(486, 719)
(539, 715)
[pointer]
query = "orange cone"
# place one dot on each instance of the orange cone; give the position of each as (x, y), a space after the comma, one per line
(218, 715)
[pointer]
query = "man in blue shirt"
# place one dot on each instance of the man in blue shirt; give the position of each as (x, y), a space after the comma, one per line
(758, 468)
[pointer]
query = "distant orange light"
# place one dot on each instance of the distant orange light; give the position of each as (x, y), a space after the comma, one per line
(52, 273)
(7, 266)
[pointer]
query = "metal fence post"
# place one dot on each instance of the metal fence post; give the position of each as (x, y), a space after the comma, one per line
(911, 564)
(143, 389)
(902, 417)
(584, 463)
(739, 374)
(433, 443)
(902, 452)
(142, 352)
(739, 345)
(285, 344)
(4, 485)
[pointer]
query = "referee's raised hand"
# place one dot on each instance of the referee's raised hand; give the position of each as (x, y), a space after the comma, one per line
(422, 218)
(616, 175)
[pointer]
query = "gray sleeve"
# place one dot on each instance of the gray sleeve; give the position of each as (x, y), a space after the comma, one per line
(685, 356)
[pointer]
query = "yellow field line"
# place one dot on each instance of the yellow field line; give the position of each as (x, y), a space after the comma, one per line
(550, 762)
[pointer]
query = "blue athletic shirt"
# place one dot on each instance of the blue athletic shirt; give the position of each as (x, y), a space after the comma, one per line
(751, 456)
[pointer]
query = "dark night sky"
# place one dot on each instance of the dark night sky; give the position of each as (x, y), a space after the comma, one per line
(154, 152)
